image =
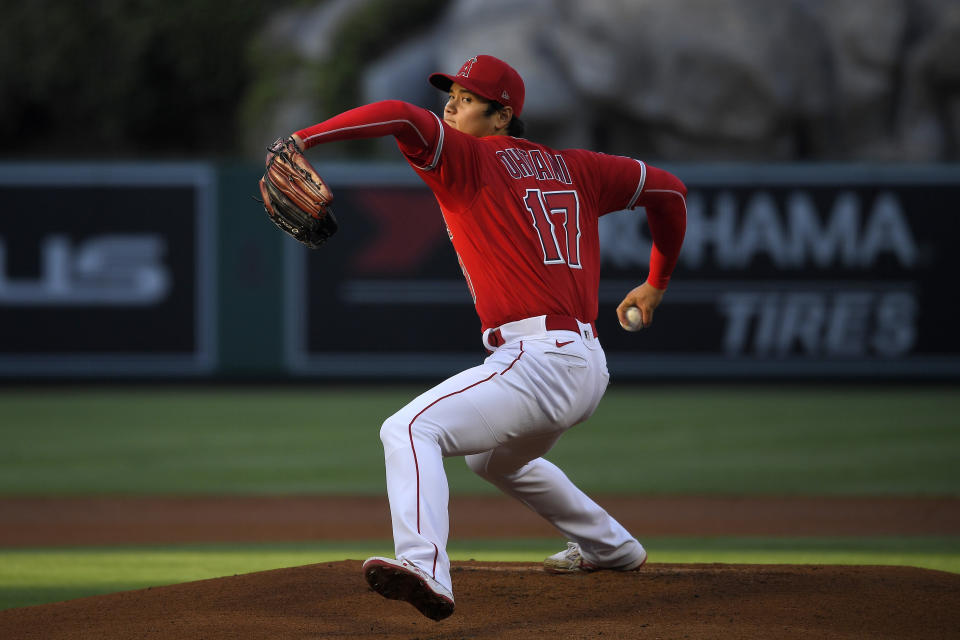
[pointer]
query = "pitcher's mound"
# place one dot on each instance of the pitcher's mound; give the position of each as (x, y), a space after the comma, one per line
(514, 600)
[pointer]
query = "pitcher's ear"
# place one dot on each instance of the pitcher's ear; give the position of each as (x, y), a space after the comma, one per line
(504, 116)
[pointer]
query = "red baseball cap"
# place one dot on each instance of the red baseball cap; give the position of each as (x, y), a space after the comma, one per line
(489, 78)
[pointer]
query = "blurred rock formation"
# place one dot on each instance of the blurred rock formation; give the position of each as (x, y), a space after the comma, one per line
(684, 80)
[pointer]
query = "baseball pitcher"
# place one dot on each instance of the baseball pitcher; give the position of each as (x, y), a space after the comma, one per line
(523, 220)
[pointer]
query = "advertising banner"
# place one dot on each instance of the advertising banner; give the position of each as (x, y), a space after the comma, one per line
(793, 272)
(106, 270)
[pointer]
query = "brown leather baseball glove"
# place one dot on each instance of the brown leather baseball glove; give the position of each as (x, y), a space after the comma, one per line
(295, 196)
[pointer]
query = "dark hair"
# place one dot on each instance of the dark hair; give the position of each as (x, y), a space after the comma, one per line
(515, 127)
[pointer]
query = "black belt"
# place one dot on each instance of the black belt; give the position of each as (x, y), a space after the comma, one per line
(553, 323)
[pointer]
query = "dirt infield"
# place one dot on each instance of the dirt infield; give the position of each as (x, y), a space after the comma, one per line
(496, 600)
(159, 520)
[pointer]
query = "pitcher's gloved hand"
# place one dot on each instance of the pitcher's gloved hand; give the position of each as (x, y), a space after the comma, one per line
(295, 196)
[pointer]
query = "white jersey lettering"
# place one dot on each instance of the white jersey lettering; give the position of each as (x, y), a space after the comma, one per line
(521, 163)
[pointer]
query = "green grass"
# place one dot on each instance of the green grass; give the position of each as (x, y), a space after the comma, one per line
(37, 576)
(715, 440)
(661, 440)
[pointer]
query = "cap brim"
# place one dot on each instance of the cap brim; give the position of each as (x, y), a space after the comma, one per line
(441, 81)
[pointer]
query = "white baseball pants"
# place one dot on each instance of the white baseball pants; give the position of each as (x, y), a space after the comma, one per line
(503, 415)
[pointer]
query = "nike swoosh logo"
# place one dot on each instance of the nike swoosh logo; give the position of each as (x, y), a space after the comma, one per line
(563, 344)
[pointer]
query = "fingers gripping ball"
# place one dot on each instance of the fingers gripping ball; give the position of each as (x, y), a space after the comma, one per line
(295, 196)
(634, 319)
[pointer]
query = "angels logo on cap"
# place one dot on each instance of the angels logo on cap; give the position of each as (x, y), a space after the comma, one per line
(467, 66)
(489, 78)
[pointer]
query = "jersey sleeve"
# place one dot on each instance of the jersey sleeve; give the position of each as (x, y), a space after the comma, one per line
(457, 175)
(444, 157)
(626, 183)
(664, 197)
(613, 182)
(419, 132)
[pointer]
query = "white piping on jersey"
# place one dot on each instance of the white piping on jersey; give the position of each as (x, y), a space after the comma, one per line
(436, 154)
(374, 124)
(676, 193)
(643, 180)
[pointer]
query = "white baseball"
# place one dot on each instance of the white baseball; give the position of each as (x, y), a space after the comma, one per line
(634, 319)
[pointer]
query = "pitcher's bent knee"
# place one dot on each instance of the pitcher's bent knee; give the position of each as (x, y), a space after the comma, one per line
(394, 434)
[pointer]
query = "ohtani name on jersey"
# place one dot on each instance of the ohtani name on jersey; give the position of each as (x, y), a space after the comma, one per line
(521, 163)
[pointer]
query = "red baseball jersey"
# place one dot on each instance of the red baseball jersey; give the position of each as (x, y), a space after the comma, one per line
(522, 216)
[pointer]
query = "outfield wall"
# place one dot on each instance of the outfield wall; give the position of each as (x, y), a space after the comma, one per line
(172, 270)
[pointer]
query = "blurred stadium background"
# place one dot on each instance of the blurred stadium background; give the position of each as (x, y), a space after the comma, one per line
(820, 141)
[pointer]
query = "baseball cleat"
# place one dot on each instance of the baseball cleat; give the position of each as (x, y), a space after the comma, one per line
(401, 580)
(570, 560)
